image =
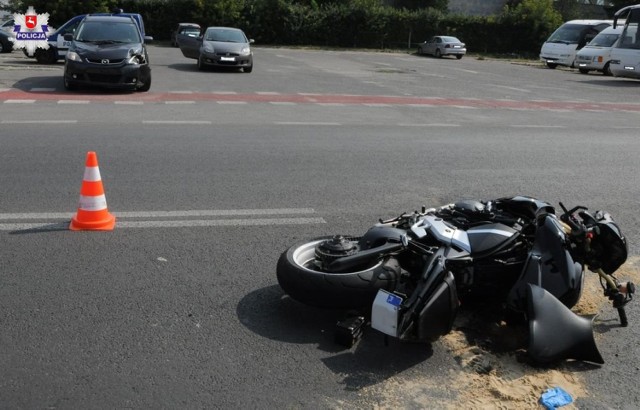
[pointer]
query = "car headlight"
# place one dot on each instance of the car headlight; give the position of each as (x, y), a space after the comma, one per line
(245, 51)
(73, 56)
(136, 59)
(208, 48)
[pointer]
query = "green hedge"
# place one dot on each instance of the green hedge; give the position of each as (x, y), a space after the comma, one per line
(362, 24)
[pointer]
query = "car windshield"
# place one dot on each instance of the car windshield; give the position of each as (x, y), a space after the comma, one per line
(104, 32)
(604, 40)
(190, 31)
(568, 33)
(224, 35)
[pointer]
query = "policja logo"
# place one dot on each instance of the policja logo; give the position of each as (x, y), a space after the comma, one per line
(31, 30)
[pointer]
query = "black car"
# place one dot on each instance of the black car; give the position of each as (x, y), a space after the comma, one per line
(109, 52)
(6, 45)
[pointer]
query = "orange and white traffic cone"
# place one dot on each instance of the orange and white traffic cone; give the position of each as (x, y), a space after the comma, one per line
(92, 209)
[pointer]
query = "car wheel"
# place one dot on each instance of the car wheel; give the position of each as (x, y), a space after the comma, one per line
(200, 64)
(438, 54)
(248, 69)
(48, 56)
(607, 70)
(552, 65)
(459, 56)
(6, 47)
(583, 71)
(69, 85)
(145, 85)
(419, 51)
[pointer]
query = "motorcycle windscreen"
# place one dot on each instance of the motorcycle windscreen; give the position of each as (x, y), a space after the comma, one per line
(556, 333)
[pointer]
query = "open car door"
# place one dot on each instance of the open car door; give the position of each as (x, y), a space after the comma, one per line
(189, 45)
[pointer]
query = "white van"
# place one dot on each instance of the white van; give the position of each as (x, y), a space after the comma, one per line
(625, 56)
(596, 56)
(561, 47)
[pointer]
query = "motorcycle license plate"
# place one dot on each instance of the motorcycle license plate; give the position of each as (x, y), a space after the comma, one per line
(384, 312)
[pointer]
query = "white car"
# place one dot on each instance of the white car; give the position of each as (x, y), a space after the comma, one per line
(596, 56)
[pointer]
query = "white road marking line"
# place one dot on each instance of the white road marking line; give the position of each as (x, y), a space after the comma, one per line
(171, 224)
(179, 102)
(305, 123)
(282, 103)
(175, 122)
(167, 214)
(537, 126)
(232, 102)
(428, 125)
(181, 92)
(39, 121)
(331, 104)
(377, 105)
(267, 93)
(128, 102)
(73, 101)
(19, 101)
(223, 92)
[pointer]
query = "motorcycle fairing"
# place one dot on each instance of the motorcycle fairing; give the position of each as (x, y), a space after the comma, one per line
(523, 206)
(549, 265)
(430, 310)
(489, 237)
(441, 231)
(555, 332)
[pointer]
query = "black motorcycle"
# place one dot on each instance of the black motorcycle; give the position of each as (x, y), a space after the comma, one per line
(410, 274)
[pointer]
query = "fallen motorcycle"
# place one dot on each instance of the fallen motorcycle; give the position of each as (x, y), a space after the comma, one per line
(410, 274)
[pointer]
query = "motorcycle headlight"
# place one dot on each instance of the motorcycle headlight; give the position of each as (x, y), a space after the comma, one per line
(208, 47)
(73, 56)
(245, 51)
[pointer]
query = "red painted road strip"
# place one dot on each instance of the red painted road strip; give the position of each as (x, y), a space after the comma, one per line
(14, 94)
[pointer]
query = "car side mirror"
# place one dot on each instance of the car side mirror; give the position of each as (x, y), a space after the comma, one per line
(148, 38)
(68, 37)
(251, 41)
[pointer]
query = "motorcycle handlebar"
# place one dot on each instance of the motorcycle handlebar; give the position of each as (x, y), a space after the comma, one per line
(620, 294)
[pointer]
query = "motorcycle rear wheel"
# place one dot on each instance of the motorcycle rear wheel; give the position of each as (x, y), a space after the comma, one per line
(304, 281)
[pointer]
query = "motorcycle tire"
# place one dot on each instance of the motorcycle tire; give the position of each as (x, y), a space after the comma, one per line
(302, 281)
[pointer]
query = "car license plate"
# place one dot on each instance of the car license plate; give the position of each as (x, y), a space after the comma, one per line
(227, 59)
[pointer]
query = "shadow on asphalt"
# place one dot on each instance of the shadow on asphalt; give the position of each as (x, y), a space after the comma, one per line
(32, 84)
(268, 312)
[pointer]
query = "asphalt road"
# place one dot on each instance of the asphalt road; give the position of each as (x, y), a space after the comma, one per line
(211, 175)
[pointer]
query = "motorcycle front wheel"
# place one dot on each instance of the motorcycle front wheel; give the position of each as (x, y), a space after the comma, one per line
(301, 277)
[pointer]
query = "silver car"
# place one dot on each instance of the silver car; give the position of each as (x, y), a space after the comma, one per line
(440, 46)
(226, 47)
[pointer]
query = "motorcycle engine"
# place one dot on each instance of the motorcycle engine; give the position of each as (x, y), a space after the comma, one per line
(334, 248)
